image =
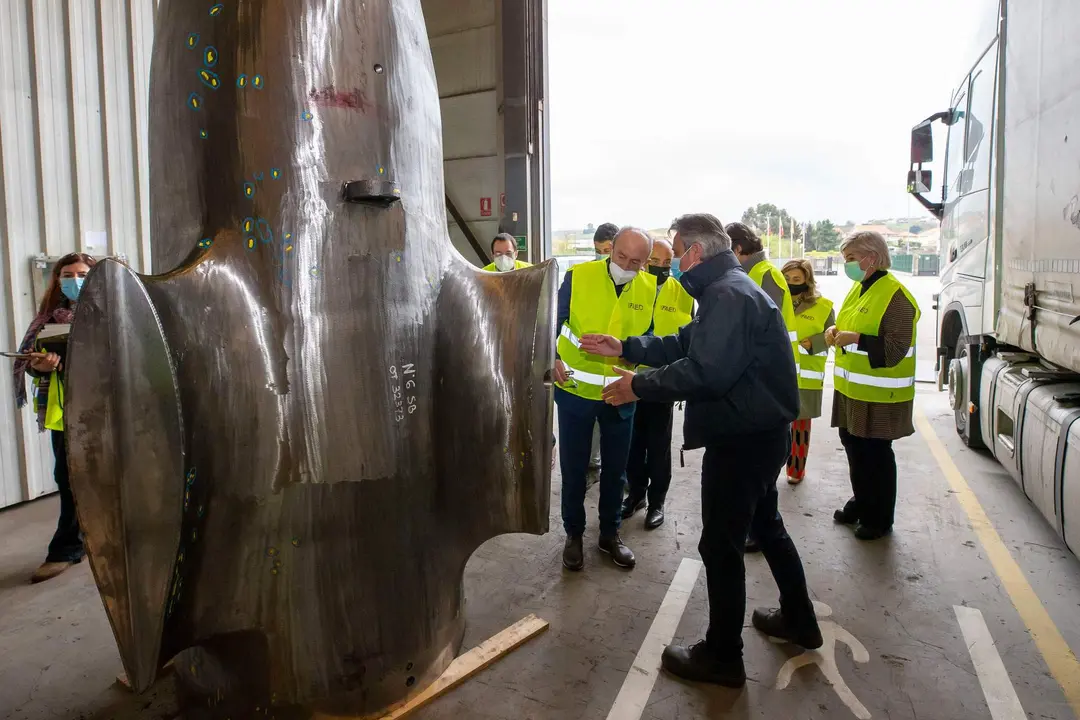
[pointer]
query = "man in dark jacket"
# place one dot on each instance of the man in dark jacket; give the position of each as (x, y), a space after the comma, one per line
(734, 368)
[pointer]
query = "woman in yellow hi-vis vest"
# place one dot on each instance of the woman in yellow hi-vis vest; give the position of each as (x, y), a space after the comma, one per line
(874, 338)
(813, 315)
(58, 306)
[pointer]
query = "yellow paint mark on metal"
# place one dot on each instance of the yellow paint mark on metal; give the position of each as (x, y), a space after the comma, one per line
(1059, 658)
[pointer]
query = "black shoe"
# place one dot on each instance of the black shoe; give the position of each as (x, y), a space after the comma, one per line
(655, 517)
(848, 515)
(620, 554)
(866, 532)
(752, 546)
(697, 664)
(772, 623)
(631, 504)
(573, 555)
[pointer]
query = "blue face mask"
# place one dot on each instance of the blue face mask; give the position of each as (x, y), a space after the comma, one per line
(854, 271)
(71, 287)
(676, 271)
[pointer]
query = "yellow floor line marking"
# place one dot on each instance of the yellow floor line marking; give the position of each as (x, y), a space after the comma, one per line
(1059, 657)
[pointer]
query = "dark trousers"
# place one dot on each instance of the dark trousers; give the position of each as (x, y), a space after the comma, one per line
(738, 494)
(576, 419)
(872, 466)
(67, 544)
(648, 469)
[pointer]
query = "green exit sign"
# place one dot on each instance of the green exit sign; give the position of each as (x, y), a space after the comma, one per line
(522, 243)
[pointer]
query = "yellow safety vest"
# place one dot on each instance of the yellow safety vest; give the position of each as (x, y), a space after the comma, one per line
(518, 264)
(673, 308)
(757, 274)
(808, 323)
(594, 308)
(54, 406)
(862, 314)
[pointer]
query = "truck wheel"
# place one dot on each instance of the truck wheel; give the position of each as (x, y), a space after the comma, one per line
(960, 389)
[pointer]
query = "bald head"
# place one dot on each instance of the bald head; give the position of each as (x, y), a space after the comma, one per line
(631, 248)
(661, 253)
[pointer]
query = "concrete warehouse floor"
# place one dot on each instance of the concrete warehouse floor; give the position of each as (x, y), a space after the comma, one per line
(896, 597)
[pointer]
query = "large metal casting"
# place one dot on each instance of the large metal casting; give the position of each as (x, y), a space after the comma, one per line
(286, 443)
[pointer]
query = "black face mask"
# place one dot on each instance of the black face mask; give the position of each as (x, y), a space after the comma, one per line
(661, 273)
(798, 289)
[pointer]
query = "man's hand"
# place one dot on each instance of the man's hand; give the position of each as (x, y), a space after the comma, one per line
(620, 392)
(603, 345)
(830, 336)
(561, 376)
(44, 362)
(807, 343)
(845, 338)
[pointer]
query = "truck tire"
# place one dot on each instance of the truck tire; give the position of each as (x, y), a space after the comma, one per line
(963, 393)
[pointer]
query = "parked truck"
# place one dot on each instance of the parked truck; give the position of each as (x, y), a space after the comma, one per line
(1008, 311)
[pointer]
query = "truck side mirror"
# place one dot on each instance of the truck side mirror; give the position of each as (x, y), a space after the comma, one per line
(919, 181)
(922, 143)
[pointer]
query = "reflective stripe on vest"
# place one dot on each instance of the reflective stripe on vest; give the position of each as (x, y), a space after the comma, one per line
(808, 323)
(594, 308)
(862, 313)
(757, 274)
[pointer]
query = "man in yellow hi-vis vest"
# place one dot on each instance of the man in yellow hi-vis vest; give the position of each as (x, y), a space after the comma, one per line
(747, 247)
(610, 296)
(504, 251)
(648, 470)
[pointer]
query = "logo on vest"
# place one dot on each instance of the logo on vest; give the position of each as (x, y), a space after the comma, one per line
(667, 308)
(635, 306)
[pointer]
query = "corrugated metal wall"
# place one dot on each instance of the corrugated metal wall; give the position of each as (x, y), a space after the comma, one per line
(73, 171)
(465, 50)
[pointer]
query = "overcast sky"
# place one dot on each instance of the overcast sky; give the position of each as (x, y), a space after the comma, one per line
(661, 108)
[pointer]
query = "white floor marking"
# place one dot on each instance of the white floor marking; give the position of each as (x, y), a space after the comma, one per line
(825, 658)
(638, 685)
(993, 677)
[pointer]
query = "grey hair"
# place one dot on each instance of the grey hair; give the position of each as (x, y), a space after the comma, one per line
(869, 242)
(705, 230)
(632, 229)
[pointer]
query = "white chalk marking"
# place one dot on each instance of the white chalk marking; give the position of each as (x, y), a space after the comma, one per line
(637, 687)
(825, 658)
(993, 677)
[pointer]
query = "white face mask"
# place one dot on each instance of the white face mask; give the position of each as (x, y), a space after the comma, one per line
(620, 276)
(504, 263)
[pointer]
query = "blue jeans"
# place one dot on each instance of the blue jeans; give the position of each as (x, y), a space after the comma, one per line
(577, 417)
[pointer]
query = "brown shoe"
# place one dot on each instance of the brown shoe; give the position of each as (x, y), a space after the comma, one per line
(49, 570)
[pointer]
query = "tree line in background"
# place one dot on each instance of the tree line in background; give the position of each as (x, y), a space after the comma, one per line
(775, 225)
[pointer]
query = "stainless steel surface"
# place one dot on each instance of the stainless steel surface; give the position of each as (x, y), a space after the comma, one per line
(359, 408)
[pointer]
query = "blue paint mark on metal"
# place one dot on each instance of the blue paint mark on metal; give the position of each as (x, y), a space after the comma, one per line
(266, 234)
(210, 79)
